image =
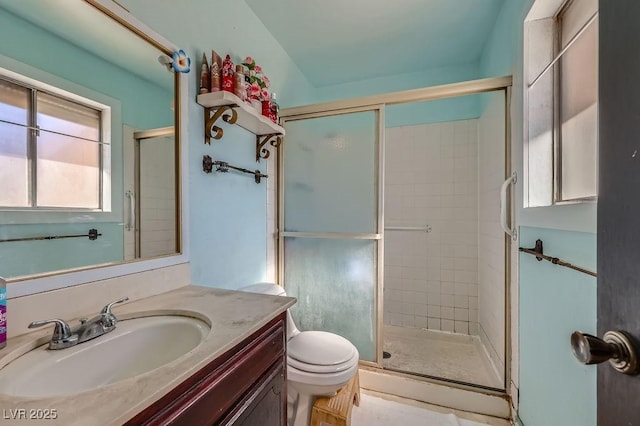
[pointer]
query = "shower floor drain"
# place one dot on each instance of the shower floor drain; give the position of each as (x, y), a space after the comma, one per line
(386, 355)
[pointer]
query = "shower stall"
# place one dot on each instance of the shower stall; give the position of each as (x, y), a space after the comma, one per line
(149, 189)
(445, 253)
(392, 212)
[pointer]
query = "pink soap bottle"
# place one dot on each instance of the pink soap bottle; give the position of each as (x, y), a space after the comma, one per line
(3, 313)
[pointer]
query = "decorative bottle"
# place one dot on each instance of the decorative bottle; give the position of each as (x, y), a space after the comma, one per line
(274, 109)
(216, 71)
(227, 74)
(253, 92)
(205, 77)
(247, 85)
(266, 106)
(3, 313)
(239, 87)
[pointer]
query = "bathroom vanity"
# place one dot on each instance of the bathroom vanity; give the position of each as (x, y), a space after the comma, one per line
(244, 386)
(236, 375)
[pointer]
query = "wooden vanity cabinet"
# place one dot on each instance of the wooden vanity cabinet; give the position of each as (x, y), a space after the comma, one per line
(244, 386)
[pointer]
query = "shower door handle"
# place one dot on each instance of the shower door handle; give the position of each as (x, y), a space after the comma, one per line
(504, 209)
(132, 210)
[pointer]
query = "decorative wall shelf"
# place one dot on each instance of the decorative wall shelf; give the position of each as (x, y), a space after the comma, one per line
(233, 110)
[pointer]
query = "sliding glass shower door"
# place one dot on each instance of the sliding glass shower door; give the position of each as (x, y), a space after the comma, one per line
(330, 225)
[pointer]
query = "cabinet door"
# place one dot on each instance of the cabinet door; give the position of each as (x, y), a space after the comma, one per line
(267, 403)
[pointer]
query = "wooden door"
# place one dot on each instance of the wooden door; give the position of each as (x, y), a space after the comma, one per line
(619, 201)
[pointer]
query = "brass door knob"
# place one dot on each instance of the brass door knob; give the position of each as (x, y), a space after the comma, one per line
(617, 347)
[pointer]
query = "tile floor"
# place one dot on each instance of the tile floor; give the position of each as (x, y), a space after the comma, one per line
(377, 409)
(447, 355)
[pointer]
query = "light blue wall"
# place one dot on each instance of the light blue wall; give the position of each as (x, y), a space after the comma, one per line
(403, 80)
(43, 56)
(553, 388)
(504, 46)
(227, 211)
(143, 103)
(415, 113)
(33, 257)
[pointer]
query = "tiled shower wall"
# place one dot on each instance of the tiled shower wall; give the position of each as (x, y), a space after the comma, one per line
(431, 180)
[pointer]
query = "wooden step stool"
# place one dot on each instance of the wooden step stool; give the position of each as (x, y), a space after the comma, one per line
(336, 410)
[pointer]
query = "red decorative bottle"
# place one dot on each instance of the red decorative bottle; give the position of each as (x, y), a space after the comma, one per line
(266, 107)
(227, 74)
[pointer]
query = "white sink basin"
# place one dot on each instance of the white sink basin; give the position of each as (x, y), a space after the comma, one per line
(136, 346)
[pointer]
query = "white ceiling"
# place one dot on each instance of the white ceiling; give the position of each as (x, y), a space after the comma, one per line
(337, 41)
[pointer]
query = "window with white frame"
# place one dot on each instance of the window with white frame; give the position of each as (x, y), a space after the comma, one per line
(52, 151)
(561, 92)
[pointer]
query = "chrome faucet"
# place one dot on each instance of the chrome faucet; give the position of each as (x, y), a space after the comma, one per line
(65, 337)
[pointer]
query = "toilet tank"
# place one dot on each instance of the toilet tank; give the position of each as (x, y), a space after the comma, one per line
(273, 289)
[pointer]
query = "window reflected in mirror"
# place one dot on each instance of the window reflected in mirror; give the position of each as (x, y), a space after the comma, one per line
(86, 142)
(53, 149)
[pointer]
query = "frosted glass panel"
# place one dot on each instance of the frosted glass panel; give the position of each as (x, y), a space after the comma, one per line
(68, 172)
(579, 117)
(69, 118)
(14, 166)
(330, 174)
(335, 283)
(14, 101)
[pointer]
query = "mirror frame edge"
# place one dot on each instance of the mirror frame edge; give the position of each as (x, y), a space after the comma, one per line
(55, 281)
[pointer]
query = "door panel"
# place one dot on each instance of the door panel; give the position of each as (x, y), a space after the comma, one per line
(329, 174)
(335, 283)
(157, 200)
(330, 225)
(618, 201)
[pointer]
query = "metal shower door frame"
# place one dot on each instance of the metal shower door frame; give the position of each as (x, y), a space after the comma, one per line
(495, 84)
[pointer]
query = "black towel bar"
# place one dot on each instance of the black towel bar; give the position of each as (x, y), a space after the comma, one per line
(538, 252)
(92, 235)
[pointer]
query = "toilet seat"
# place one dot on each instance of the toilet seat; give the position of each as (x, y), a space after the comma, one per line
(321, 352)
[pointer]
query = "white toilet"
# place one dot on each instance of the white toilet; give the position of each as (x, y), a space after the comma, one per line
(318, 363)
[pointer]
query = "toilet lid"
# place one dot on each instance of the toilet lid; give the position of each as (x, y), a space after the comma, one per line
(321, 349)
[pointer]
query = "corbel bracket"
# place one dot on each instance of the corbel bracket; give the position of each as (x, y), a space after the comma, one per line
(212, 115)
(262, 151)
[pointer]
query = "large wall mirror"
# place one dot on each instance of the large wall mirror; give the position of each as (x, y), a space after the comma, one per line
(89, 147)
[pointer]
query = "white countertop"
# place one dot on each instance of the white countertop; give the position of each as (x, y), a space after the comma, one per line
(233, 316)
